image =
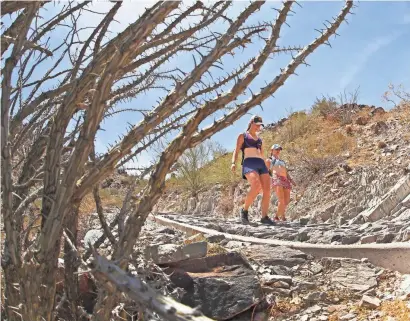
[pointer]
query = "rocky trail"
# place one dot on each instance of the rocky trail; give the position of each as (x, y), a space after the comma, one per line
(343, 254)
(234, 280)
(240, 281)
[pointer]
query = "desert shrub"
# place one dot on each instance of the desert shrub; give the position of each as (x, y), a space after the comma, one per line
(324, 106)
(297, 125)
(219, 171)
(347, 103)
(190, 165)
(316, 155)
(205, 165)
(398, 96)
(341, 108)
(110, 197)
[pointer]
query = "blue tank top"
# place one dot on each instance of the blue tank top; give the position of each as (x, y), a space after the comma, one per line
(276, 162)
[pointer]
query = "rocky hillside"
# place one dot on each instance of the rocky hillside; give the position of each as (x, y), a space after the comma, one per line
(370, 155)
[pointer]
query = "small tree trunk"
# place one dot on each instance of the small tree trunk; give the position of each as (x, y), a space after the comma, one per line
(12, 293)
(37, 290)
(71, 264)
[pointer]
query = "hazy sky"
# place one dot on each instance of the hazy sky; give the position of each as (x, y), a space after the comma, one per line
(372, 51)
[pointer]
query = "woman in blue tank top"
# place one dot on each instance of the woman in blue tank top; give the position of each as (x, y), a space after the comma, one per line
(253, 169)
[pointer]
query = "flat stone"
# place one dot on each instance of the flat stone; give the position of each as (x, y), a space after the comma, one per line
(304, 285)
(270, 279)
(386, 238)
(349, 316)
(278, 291)
(350, 239)
(281, 284)
(281, 270)
(315, 297)
(314, 309)
(171, 253)
(354, 276)
(278, 255)
(369, 302)
(368, 239)
(334, 308)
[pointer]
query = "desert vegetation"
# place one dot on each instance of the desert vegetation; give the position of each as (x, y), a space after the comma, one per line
(62, 79)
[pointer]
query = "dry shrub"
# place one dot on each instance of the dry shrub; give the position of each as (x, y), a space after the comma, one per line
(199, 237)
(334, 317)
(297, 125)
(109, 198)
(284, 307)
(214, 249)
(324, 106)
(316, 155)
(219, 171)
(397, 309)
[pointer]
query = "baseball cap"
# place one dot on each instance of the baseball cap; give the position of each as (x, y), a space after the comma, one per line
(276, 147)
(257, 120)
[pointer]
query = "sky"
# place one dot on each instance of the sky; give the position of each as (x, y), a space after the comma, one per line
(373, 50)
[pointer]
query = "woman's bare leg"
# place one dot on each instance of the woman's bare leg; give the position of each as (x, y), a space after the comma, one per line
(281, 201)
(253, 179)
(286, 194)
(265, 183)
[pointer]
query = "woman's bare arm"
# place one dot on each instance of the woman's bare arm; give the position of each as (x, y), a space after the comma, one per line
(239, 143)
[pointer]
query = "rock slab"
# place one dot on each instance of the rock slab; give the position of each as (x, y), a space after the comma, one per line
(223, 291)
(172, 253)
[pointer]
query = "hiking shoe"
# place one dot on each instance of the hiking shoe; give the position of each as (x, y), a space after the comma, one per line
(244, 216)
(266, 220)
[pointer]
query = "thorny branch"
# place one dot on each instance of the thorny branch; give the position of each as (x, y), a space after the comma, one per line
(113, 277)
(66, 86)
